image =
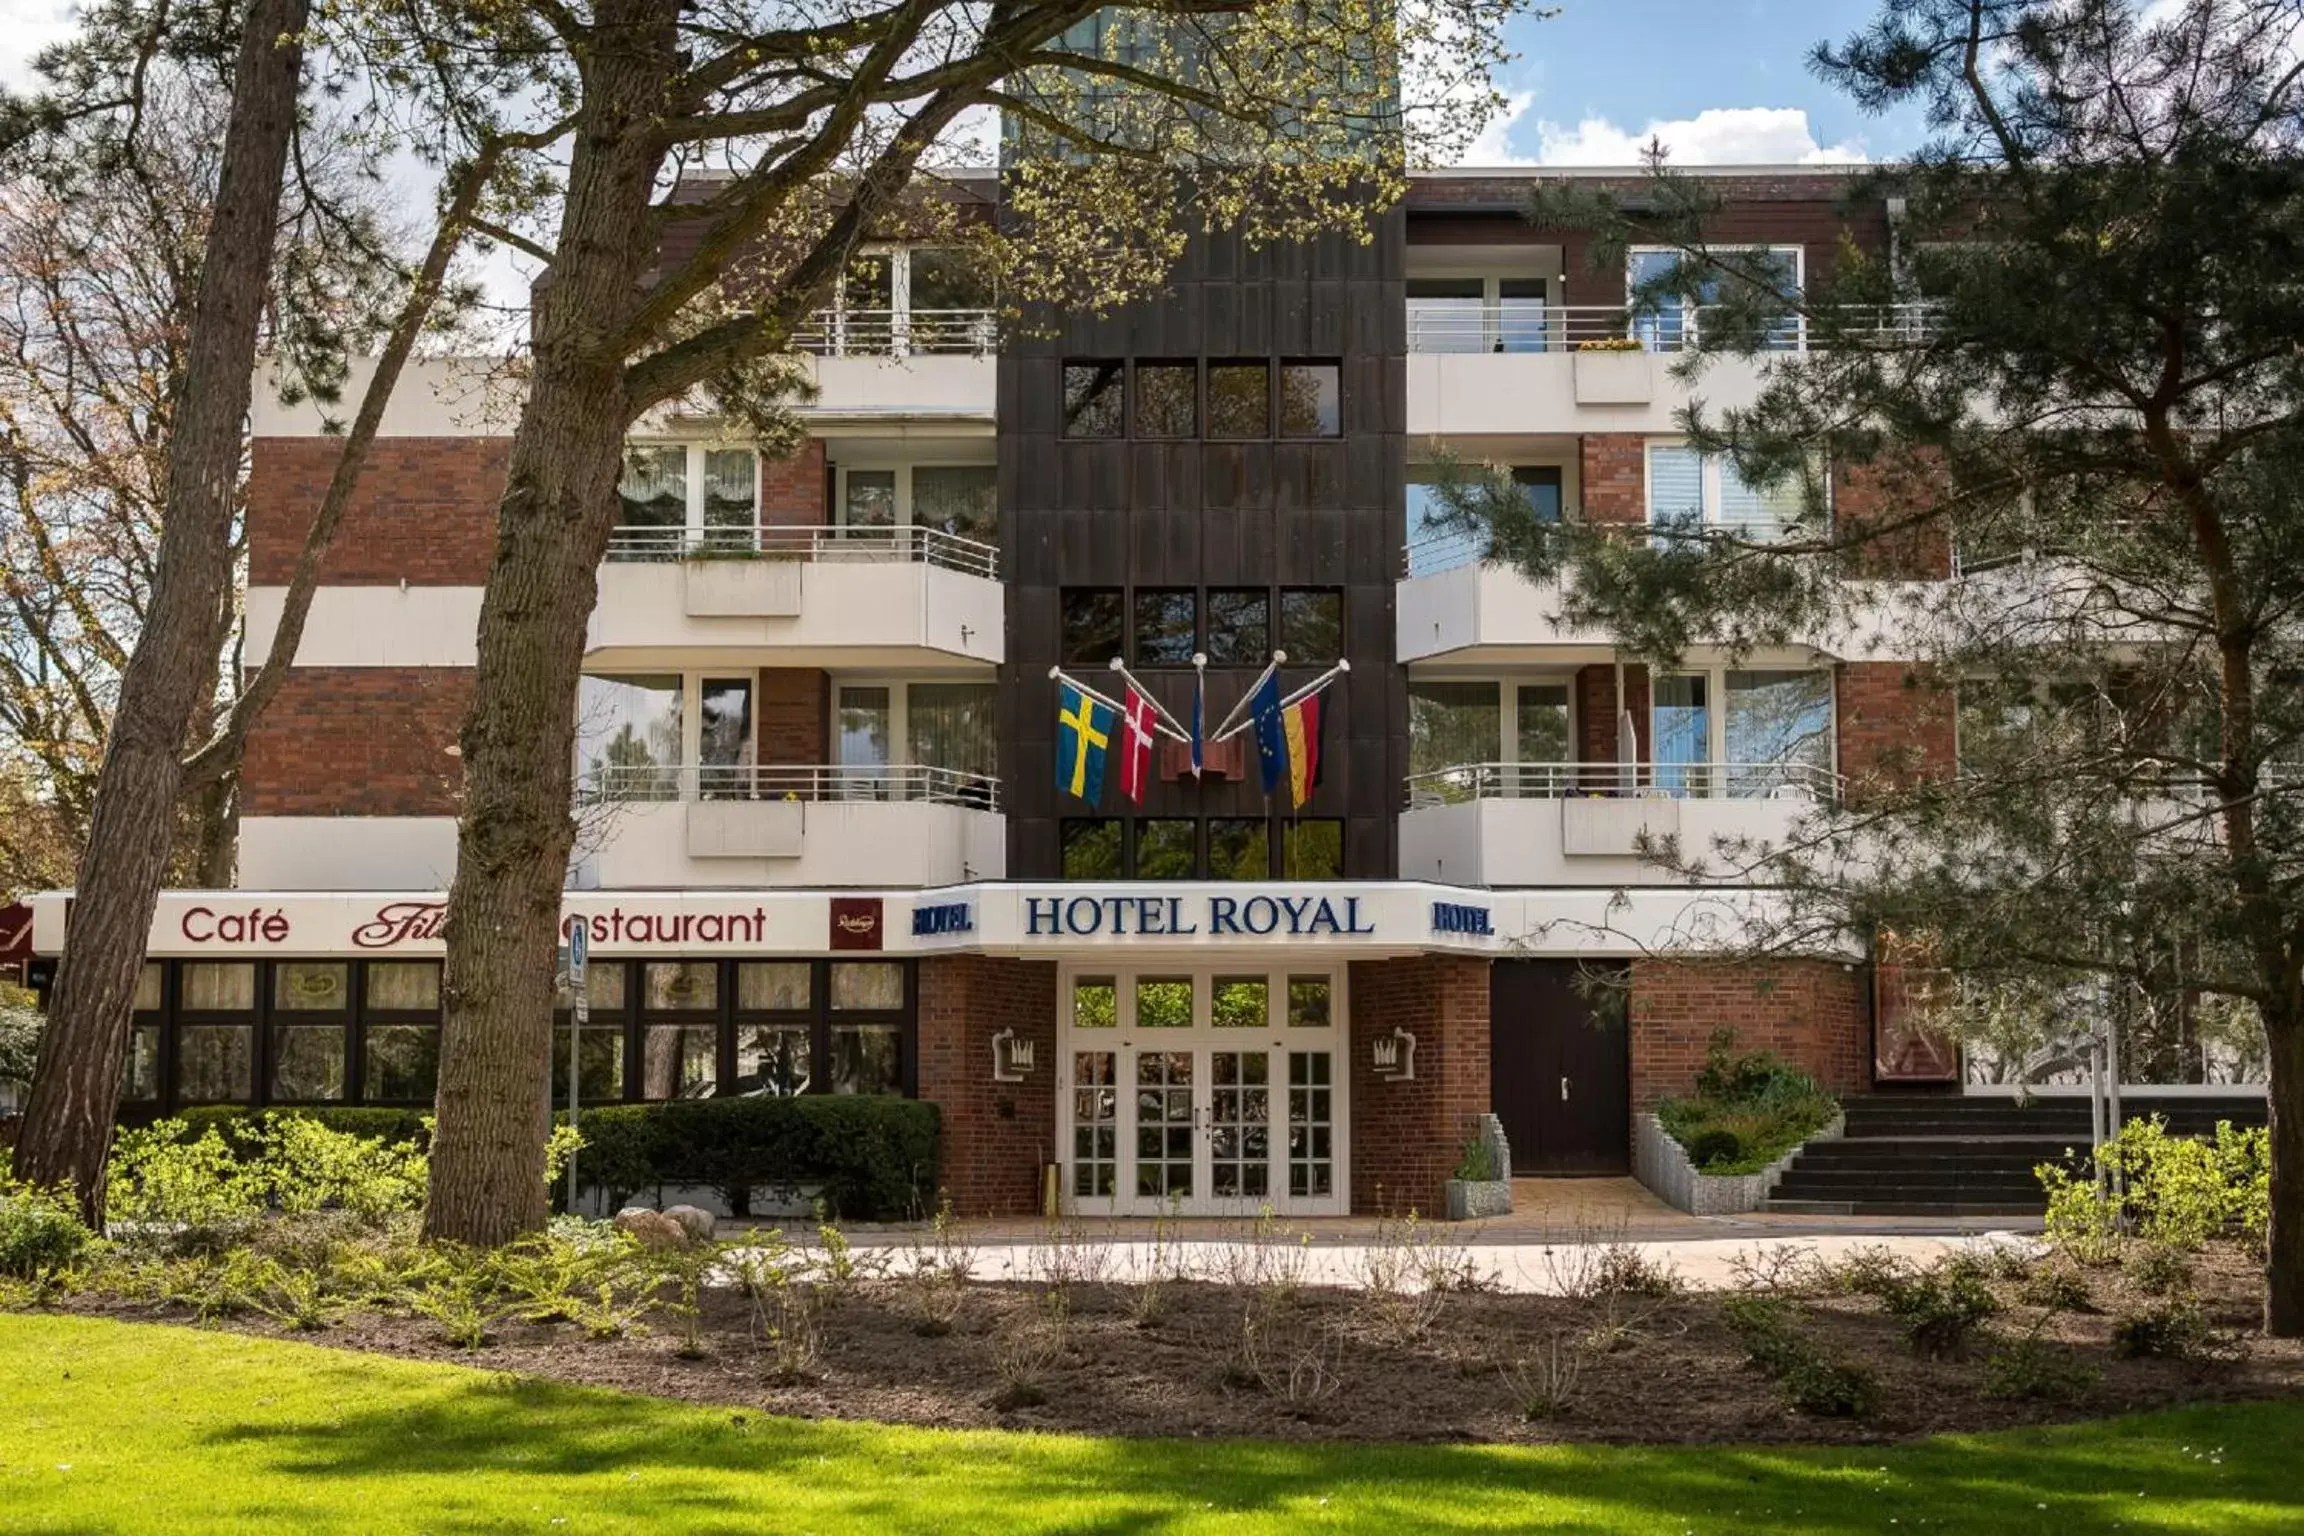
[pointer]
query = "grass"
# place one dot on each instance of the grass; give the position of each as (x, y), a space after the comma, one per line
(144, 1428)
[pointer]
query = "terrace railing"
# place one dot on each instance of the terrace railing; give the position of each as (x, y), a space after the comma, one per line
(1798, 782)
(1459, 326)
(894, 333)
(898, 542)
(626, 783)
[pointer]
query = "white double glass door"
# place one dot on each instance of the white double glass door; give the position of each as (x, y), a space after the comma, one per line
(1215, 1092)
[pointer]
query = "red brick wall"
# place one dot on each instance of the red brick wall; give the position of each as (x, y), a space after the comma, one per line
(1810, 1012)
(1895, 726)
(358, 741)
(1597, 708)
(795, 715)
(1613, 470)
(1407, 1136)
(425, 512)
(997, 1136)
(792, 490)
(1879, 492)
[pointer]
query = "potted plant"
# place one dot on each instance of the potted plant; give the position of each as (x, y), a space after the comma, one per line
(1482, 1183)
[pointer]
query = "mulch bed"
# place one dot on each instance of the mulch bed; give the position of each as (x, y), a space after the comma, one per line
(1674, 1373)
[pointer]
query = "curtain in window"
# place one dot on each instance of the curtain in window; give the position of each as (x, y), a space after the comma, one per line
(951, 726)
(960, 499)
(731, 497)
(1754, 513)
(1675, 486)
(654, 490)
(1454, 724)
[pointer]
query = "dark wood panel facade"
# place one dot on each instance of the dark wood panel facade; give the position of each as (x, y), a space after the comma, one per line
(1271, 513)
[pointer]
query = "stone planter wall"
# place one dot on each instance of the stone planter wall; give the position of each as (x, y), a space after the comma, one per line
(1662, 1164)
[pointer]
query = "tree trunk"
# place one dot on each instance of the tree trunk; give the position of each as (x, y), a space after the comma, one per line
(2284, 1278)
(216, 832)
(67, 1130)
(514, 836)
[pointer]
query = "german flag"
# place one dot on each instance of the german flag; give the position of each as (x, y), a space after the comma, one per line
(1300, 723)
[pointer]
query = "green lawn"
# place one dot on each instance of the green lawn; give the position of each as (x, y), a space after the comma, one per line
(124, 1427)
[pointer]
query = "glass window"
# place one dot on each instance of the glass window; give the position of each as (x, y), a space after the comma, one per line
(599, 1063)
(869, 499)
(1311, 400)
(870, 282)
(774, 1059)
(307, 1062)
(1091, 848)
(1675, 486)
(867, 1058)
(218, 986)
(951, 725)
(1688, 490)
(1308, 1002)
(1164, 850)
(865, 985)
(140, 1073)
(1095, 1003)
(603, 987)
(1755, 513)
(1239, 629)
(1239, 848)
(1542, 724)
(677, 1060)
(1240, 1002)
(1164, 627)
(1312, 626)
(724, 737)
(149, 982)
(1779, 731)
(628, 736)
(1453, 724)
(1092, 622)
(680, 985)
(731, 497)
(946, 278)
(1163, 1002)
(1094, 394)
(768, 985)
(1681, 729)
(312, 986)
(1664, 324)
(1312, 849)
(413, 986)
(1444, 314)
(1239, 400)
(654, 490)
(1167, 400)
(400, 1063)
(1539, 486)
(865, 719)
(959, 499)
(215, 1063)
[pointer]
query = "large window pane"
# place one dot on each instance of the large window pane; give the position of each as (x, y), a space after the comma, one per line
(1164, 628)
(951, 725)
(1682, 728)
(140, 1073)
(1163, 1003)
(946, 279)
(865, 719)
(399, 1063)
(680, 985)
(1239, 629)
(1312, 849)
(149, 981)
(867, 986)
(961, 499)
(311, 986)
(1092, 622)
(1239, 848)
(410, 986)
(1095, 1003)
(307, 1062)
(603, 988)
(1779, 731)
(1312, 626)
(215, 1063)
(870, 499)
(867, 1058)
(677, 1060)
(1308, 1002)
(724, 737)
(1164, 850)
(654, 490)
(770, 985)
(1453, 724)
(1311, 400)
(774, 1059)
(870, 282)
(1094, 394)
(599, 1063)
(1091, 847)
(1167, 400)
(219, 986)
(731, 497)
(1239, 400)
(1240, 1002)
(628, 736)
(1753, 513)
(1543, 726)
(1675, 486)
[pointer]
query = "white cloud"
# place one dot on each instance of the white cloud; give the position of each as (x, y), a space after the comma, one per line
(1493, 146)
(1714, 136)
(32, 26)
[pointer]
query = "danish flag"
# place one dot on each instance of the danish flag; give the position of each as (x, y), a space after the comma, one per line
(1136, 746)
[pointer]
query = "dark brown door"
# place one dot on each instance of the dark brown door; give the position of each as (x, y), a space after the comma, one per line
(1560, 1072)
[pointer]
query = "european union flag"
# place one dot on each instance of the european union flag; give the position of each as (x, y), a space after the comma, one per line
(1083, 731)
(1271, 735)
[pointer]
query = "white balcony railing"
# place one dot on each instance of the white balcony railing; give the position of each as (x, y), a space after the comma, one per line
(1790, 781)
(894, 333)
(900, 542)
(1461, 326)
(624, 783)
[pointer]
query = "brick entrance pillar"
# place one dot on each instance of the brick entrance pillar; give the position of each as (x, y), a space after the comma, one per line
(997, 1136)
(1407, 1136)
(1810, 1012)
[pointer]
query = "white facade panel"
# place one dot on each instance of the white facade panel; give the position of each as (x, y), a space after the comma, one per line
(1571, 842)
(337, 853)
(851, 613)
(1464, 393)
(833, 843)
(373, 626)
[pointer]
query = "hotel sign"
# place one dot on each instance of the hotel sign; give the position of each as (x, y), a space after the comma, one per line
(1287, 916)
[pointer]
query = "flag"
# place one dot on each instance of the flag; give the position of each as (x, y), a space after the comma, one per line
(1271, 736)
(1300, 725)
(1135, 746)
(1083, 731)
(1199, 731)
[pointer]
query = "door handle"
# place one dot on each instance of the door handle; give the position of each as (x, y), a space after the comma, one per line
(1563, 1090)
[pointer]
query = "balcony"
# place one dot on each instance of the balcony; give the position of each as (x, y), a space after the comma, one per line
(824, 597)
(918, 363)
(1582, 824)
(1452, 602)
(649, 825)
(1520, 366)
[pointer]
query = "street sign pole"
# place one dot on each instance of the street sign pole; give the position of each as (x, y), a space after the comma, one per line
(579, 1015)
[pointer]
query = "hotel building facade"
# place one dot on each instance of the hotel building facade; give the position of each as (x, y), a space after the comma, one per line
(821, 845)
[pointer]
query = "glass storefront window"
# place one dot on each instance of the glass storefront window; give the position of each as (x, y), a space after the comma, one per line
(677, 1060)
(772, 985)
(1240, 1002)
(774, 1059)
(866, 1058)
(400, 1063)
(218, 986)
(307, 1062)
(140, 1073)
(599, 1063)
(149, 982)
(860, 985)
(405, 986)
(680, 985)
(311, 986)
(1164, 1002)
(215, 1063)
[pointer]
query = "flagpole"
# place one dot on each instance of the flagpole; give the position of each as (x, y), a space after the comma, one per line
(1224, 729)
(1318, 683)
(1174, 728)
(1058, 674)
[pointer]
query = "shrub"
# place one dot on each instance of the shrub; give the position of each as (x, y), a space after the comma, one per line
(2178, 1192)
(364, 1121)
(1942, 1308)
(40, 1231)
(2030, 1369)
(1812, 1380)
(238, 1169)
(1747, 1111)
(2158, 1270)
(2169, 1330)
(2055, 1287)
(874, 1158)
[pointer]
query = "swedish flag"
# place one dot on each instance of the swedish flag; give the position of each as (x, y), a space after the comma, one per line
(1083, 730)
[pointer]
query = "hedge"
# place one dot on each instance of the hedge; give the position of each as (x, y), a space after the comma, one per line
(386, 1125)
(875, 1159)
